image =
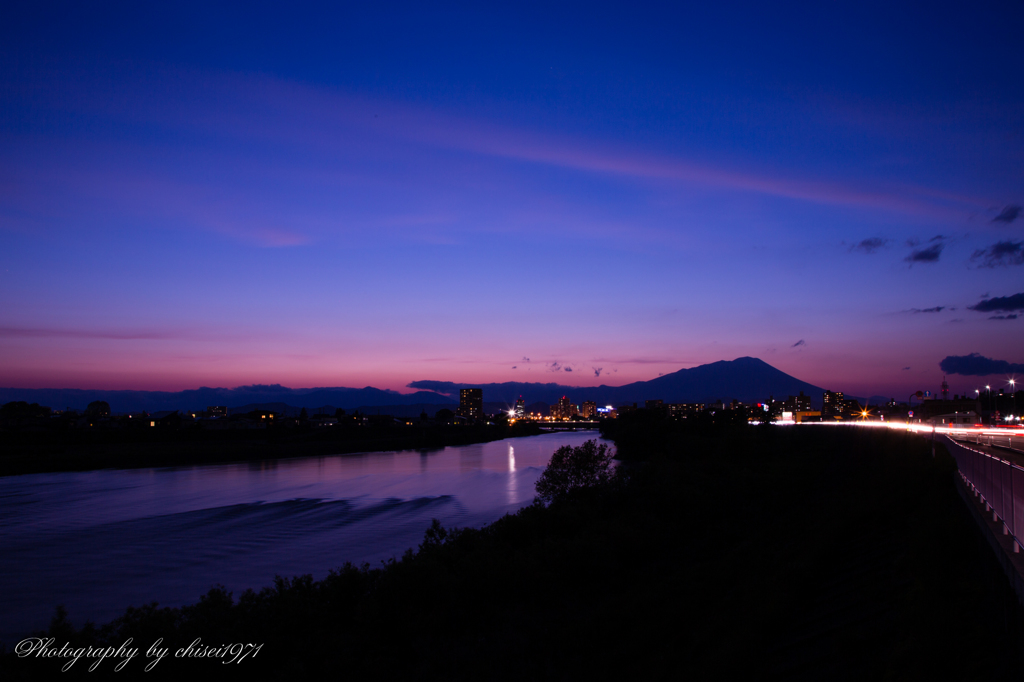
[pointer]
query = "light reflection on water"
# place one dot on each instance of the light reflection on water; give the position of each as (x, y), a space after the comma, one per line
(99, 541)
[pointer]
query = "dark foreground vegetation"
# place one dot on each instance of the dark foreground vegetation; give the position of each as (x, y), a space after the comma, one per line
(70, 446)
(769, 552)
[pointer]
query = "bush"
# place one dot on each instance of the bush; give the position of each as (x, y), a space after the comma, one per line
(572, 469)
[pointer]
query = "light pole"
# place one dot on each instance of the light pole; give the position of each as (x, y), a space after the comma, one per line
(989, 389)
(1012, 384)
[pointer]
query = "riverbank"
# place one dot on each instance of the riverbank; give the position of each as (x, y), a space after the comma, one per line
(28, 452)
(775, 552)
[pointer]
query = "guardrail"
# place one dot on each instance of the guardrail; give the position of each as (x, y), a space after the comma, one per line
(998, 482)
(1012, 440)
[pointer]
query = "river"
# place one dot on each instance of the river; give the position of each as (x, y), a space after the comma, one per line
(99, 541)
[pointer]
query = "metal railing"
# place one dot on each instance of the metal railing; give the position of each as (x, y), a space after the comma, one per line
(998, 482)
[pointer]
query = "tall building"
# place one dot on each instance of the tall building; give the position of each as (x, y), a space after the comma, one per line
(520, 409)
(588, 410)
(471, 403)
(945, 389)
(565, 408)
(832, 404)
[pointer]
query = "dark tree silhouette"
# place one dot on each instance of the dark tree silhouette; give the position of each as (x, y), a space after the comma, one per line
(21, 409)
(98, 408)
(572, 469)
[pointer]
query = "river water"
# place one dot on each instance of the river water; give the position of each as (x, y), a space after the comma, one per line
(99, 541)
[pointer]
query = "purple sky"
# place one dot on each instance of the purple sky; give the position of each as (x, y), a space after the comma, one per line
(222, 196)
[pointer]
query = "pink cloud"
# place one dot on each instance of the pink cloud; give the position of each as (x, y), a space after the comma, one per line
(252, 107)
(591, 157)
(107, 334)
(274, 237)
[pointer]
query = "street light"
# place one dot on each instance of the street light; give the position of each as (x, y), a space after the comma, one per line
(1012, 384)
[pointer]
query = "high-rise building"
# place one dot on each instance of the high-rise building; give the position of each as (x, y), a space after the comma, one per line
(566, 409)
(520, 409)
(945, 389)
(832, 404)
(471, 403)
(588, 410)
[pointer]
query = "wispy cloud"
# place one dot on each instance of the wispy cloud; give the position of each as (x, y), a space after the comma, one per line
(107, 334)
(1000, 254)
(936, 309)
(801, 342)
(870, 245)
(585, 155)
(1008, 214)
(272, 237)
(1000, 303)
(929, 254)
(324, 119)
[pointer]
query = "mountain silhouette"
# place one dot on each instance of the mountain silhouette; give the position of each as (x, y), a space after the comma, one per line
(746, 379)
(200, 398)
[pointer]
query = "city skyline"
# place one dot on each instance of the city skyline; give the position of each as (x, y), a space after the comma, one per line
(571, 196)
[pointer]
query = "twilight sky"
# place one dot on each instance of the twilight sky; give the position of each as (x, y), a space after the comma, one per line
(322, 196)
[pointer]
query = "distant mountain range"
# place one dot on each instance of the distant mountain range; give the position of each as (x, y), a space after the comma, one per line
(745, 379)
(200, 398)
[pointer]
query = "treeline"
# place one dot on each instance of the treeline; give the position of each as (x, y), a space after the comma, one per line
(59, 447)
(649, 434)
(767, 552)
